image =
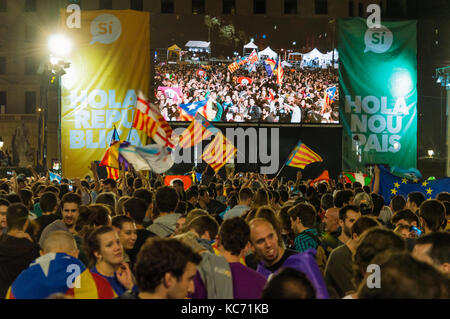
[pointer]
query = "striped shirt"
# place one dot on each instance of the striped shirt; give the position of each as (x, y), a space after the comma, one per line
(306, 240)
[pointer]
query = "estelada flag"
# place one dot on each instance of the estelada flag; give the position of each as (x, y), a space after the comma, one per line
(112, 159)
(302, 156)
(328, 97)
(59, 273)
(244, 80)
(189, 110)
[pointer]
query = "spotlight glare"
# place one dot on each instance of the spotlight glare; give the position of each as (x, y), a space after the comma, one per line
(59, 45)
(54, 60)
(430, 153)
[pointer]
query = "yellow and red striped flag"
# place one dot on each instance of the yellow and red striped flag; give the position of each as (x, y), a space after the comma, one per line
(219, 152)
(149, 120)
(233, 67)
(197, 131)
(111, 157)
(302, 156)
(113, 173)
(280, 73)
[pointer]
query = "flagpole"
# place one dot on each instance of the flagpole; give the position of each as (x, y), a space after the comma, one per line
(129, 132)
(292, 152)
(195, 157)
(280, 170)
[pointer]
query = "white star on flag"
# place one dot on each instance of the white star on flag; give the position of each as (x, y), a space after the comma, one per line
(44, 262)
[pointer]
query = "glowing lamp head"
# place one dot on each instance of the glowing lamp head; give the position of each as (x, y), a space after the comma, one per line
(430, 153)
(54, 60)
(59, 45)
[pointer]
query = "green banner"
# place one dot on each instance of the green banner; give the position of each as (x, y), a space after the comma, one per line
(378, 94)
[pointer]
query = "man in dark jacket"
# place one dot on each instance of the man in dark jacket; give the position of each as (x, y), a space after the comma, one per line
(17, 249)
(254, 111)
(49, 206)
(212, 206)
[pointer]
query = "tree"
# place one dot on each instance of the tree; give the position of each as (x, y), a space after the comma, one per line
(229, 34)
(211, 23)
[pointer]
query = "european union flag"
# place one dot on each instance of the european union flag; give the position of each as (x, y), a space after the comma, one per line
(391, 185)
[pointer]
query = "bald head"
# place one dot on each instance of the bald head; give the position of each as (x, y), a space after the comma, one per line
(264, 241)
(256, 222)
(60, 242)
(331, 219)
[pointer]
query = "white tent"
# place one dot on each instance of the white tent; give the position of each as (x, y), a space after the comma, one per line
(198, 45)
(249, 47)
(313, 54)
(268, 52)
(314, 58)
(330, 55)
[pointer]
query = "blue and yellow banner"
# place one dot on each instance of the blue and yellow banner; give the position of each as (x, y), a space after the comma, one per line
(110, 64)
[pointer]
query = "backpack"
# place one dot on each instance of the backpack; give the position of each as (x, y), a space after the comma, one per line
(321, 256)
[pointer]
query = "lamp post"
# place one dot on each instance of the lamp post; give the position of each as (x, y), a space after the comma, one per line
(59, 47)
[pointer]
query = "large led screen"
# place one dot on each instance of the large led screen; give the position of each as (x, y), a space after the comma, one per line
(261, 75)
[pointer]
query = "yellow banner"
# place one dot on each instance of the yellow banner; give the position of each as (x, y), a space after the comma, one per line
(110, 63)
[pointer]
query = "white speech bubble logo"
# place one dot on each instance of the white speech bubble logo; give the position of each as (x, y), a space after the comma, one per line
(106, 29)
(378, 40)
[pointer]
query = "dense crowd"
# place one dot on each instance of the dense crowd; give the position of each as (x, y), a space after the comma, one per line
(299, 99)
(238, 237)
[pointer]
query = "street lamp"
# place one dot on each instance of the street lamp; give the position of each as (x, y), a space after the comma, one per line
(59, 47)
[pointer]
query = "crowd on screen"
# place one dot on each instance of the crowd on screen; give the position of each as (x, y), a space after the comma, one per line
(239, 236)
(299, 99)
